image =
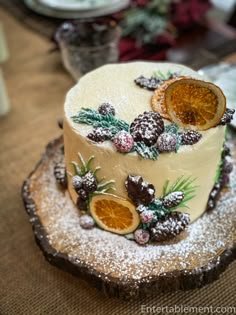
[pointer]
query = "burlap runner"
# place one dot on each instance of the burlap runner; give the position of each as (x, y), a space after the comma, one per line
(28, 284)
(39, 23)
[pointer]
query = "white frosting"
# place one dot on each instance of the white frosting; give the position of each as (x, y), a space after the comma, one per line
(115, 84)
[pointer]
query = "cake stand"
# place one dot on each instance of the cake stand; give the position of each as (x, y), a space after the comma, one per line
(115, 265)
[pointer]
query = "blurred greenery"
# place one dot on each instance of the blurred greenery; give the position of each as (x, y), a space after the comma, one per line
(146, 23)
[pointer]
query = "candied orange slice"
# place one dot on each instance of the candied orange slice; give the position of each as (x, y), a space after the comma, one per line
(195, 104)
(158, 98)
(114, 214)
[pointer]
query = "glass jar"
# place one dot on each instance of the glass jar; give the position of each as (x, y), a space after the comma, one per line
(87, 45)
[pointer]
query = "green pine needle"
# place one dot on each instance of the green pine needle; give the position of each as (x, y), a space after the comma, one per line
(97, 169)
(77, 170)
(183, 184)
(145, 151)
(164, 76)
(102, 187)
(93, 117)
(157, 207)
(105, 185)
(161, 75)
(172, 128)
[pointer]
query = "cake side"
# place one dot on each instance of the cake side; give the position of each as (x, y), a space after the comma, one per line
(115, 84)
(199, 161)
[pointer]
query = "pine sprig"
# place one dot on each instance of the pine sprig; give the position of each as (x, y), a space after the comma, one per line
(161, 75)
(165, 76)
(93, 117)
(183, 184)
(158, 208)
(145, 151)
(102, 187)
(172, 128)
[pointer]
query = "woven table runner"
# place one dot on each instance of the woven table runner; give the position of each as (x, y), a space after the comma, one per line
(29, 285)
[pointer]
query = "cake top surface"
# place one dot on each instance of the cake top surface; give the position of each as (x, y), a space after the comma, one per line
(114, 84)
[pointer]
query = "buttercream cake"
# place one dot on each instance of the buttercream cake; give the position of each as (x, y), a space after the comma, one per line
(134, 165)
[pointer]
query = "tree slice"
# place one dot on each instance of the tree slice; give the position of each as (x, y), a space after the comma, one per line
(115, 265)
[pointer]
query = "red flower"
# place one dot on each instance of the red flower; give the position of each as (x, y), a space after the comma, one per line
(186, 13)
(140, 3)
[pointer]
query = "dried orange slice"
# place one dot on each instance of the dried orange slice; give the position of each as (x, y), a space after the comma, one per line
(195, 104)
(114, 214)
(158, 98)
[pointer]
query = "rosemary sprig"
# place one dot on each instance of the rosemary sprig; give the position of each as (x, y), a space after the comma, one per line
(183, 184)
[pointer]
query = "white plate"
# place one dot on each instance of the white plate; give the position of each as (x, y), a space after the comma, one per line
(79, 4)
(224, 75)
(39, 7)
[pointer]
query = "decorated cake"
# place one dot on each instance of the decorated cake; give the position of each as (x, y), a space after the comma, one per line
(145, 152)
(137, 196)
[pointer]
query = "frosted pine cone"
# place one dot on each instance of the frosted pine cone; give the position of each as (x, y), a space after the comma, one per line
(100, 134)
(77, 182)
(148, 83)
(190, 137)
(106, 109)
(214, 195)
(227, 166)
(139, 191)
(89, 182)
(227, 117)
(60, 174)
(167, 142)
(173, 199)
(147, 127)
(169, 226)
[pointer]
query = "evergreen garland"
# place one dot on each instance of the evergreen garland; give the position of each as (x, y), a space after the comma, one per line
(92, 117)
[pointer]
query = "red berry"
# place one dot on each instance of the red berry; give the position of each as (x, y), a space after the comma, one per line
(123, 141)
(141, 236)
(86, 221)
(147, 216)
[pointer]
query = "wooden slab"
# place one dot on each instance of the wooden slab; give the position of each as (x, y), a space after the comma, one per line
(115, 265)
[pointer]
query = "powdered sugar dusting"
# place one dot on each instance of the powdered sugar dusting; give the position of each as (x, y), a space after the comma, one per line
(115, 256)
